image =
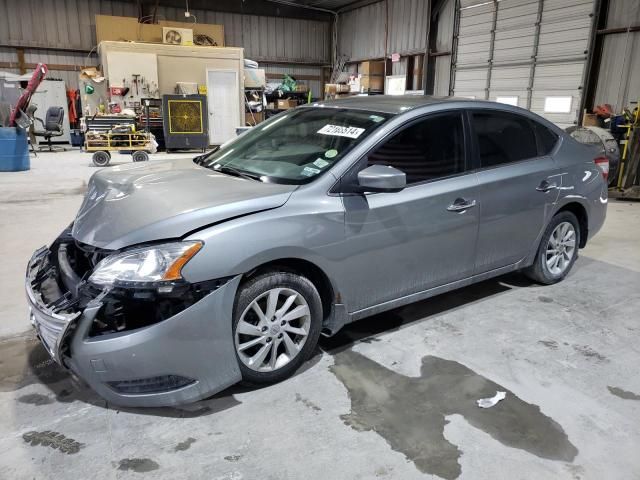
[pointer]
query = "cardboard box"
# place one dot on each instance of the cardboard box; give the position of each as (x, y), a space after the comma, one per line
(286, 104)
(373, 83)
(301, 88)
(590, 120)
(254, 78)
(333, 88)
(371, 68)
(256, 117)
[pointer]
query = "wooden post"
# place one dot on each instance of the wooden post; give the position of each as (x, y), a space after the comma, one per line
(22, 66)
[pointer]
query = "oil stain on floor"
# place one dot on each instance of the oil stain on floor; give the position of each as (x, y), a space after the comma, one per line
(410, 412)
(54, 440)
(186, 445)
(138, 465)
(624, 394)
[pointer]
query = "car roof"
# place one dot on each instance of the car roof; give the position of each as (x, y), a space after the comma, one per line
(393, 104)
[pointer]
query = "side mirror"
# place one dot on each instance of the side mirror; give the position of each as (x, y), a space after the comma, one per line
(381, 178)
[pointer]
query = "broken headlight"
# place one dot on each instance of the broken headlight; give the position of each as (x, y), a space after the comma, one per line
(146, 265)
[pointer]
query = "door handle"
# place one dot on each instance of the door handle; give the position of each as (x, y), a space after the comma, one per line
(460, 205)
(546, 186)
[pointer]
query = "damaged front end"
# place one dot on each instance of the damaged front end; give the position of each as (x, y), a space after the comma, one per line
(129, 339)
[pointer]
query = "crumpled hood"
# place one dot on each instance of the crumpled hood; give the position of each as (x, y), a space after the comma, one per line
(158, 200)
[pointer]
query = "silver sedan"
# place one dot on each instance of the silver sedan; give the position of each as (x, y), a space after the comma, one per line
(180, 278)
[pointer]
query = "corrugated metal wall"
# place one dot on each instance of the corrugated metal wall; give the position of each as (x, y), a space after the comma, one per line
(444, 43)
(361, 35)
(619, 73)
(8, 55)
(530, 49)
(54, 57)
(361, 32)
(70, 25)
(56, 23)
(267, 38)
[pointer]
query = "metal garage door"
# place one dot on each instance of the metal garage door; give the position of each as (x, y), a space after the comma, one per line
(526, 52)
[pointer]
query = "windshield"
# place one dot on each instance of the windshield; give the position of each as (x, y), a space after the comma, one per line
(297, 146)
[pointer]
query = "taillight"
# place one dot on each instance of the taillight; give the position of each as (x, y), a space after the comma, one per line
(603, 164)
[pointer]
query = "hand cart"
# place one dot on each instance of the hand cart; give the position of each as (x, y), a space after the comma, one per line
(103, 143)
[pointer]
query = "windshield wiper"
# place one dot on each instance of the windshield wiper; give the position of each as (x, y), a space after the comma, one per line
(236, 172)
(200, 159)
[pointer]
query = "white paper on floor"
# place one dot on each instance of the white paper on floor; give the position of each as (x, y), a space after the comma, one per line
(490, 402)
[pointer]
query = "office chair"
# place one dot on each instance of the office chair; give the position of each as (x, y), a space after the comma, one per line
(52, 126)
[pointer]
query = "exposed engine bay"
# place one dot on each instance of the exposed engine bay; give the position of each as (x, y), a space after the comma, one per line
(123, 307)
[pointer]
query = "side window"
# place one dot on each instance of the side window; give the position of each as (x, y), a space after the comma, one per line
(503, 138)
(429, 149)
(546, 138)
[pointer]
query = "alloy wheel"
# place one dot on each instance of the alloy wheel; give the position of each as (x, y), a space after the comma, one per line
(561, 248)
(272, 329)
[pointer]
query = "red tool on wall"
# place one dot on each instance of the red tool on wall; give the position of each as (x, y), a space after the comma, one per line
(136, 81)
(18, 116)
(72, 98)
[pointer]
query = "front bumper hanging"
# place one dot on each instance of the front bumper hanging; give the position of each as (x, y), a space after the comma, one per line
(52, 320)
(181, 359)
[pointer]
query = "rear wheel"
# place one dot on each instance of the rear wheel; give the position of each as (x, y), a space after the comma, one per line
(276, 324)
(558, 250)
(101, 158)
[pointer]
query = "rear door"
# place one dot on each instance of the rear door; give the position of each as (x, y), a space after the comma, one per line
(518, 185)
(422, 237)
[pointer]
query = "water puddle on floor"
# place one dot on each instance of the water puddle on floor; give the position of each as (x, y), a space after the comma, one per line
(410, 412)
(24, 362)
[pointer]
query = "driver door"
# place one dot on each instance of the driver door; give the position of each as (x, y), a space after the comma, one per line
(424, 236)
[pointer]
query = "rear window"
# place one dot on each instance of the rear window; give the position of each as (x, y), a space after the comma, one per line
(546, 138)
(503, 138)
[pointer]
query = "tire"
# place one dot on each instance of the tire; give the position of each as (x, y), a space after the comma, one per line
(257, 362)
(101, 158)
(541, 271)
(140, 156)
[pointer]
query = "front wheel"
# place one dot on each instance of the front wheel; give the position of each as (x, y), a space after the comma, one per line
(140, 156)
(558, 250)
(276, 324)
(101, 158)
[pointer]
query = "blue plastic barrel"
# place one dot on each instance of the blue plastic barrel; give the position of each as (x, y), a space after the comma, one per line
(14, 150)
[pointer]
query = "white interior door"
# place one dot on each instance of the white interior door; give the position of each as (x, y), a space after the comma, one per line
(223, 106)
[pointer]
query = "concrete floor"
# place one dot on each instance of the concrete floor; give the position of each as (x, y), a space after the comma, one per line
(391, 397)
